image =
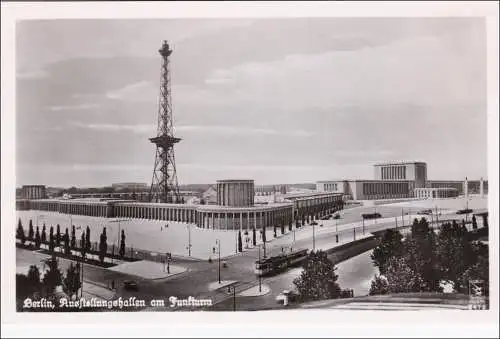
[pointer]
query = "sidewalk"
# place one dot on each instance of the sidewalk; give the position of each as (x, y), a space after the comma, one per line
(92, 290)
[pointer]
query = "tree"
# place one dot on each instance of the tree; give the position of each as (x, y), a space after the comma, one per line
(58, 235)
(31, 232)
(44, 235)
(27, 285)
(34, 275)
(391, 245)
(254, 237)
(474, 222)
(318, 279)
(240, 245)
(420, 255)
(37, 238)
(478, 270)
(72, 281)
(83, 246)
(53, 276)
(454, 252)
(103, 245)
(51, 239)
(122, 245)
(88, 244)
(401, 278)
(379, 285)
(20, 232)
(73, 238)
(67, 248)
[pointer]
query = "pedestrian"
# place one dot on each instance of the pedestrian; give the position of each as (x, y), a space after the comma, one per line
(112, 284)
(161, 228)
(168, 267)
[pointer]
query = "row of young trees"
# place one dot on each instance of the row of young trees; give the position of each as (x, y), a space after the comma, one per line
(424, 260)
(66, 242)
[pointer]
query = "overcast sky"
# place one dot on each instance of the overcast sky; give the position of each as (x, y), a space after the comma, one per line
(278, 101)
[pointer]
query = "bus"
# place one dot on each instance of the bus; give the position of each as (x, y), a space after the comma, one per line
(280, 263)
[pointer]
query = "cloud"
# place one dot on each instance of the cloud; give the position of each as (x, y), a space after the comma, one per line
(85, 167)
(439, 76)
(240, 130)
(32, 74)
(136, 92)
(240, 168)
(138, 128)
(79, 107)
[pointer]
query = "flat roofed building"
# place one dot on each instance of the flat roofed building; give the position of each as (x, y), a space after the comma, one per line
(370, 189)
(405, 170)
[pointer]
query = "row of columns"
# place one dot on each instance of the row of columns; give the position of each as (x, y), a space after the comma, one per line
(156, 213)
(385, 188)
(93, 210)
(322, 205)
(244, 220)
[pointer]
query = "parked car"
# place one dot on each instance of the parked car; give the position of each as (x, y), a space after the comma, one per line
(131, 285)
(314, 223)
(287, 294)
(336, 216)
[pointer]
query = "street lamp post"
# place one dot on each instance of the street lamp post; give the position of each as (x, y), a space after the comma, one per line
(189, 239)
(218, 249)
(260, 275)
(314, 239)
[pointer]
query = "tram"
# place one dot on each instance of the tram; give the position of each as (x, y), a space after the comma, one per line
(280, 263)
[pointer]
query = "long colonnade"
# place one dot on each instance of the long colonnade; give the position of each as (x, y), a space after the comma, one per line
(204, 216)
(90, 208)
(317, 204)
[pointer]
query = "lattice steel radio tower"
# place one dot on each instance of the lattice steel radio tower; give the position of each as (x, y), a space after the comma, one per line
(164, 186)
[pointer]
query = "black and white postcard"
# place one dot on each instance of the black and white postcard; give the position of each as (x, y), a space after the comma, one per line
(244, 162)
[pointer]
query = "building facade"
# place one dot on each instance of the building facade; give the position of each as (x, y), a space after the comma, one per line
(435, 193)
(369, 189)
(404, 171)
(401, 180)
(235, 193)
(32, 192)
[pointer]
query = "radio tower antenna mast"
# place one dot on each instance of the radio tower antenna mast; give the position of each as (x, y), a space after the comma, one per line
(164, 185)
